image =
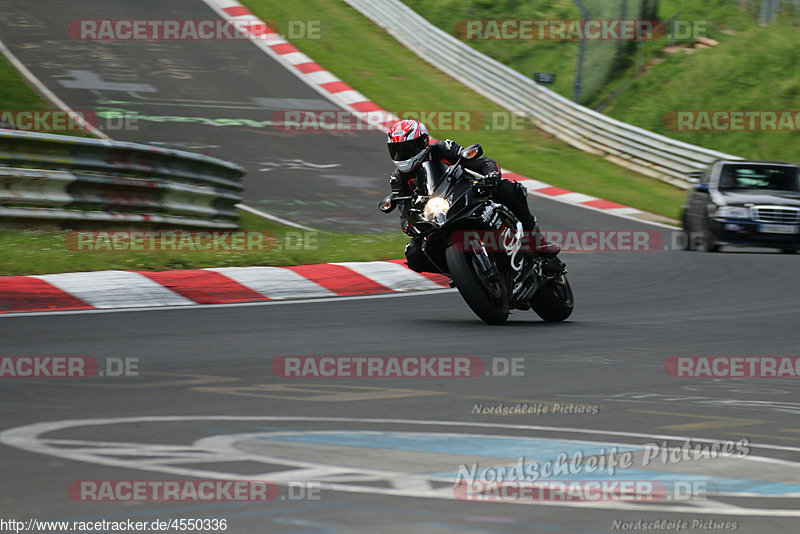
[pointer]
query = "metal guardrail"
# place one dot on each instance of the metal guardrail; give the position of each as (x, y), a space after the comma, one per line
(75, 180)
(626, 145)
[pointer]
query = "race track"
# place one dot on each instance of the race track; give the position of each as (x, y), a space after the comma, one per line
(205, 402)
(634, 311)
(194, 95)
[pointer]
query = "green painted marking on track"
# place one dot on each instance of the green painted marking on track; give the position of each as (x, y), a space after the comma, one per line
(115, 113)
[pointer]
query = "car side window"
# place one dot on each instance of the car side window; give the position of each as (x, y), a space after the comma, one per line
(728, 178)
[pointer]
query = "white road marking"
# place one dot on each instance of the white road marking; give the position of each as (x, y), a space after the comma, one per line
(86, 79)
(275, 218)
(47, 93)
(28, 438)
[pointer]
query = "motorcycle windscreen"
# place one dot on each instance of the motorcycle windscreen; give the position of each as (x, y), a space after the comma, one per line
(429, 178)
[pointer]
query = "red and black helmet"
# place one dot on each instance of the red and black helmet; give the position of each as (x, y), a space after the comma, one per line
(408, 144)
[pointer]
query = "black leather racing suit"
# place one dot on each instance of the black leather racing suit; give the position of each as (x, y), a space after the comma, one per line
(509, 193)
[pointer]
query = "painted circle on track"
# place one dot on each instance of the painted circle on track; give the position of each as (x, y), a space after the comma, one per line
(427, 461)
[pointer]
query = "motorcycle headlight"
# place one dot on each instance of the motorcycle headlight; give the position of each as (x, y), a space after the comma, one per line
(733, 212)
(436, 210)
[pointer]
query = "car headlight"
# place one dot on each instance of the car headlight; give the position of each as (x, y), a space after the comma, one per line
(733, 212)
(436, 210)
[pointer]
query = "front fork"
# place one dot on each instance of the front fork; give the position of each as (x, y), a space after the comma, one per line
(488, 269)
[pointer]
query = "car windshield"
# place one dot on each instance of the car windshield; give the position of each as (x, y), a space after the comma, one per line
(776, 178)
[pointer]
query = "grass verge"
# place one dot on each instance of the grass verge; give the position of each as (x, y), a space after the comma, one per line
(35, 252)
(43, 252)
(397, 81)
(15, 93)
(753, 68)
(375, 64)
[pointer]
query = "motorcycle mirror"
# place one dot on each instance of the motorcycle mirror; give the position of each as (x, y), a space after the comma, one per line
(472, 152)
(387, 204)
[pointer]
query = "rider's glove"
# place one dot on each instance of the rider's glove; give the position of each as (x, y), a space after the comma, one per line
(491, 179)
(394, 182)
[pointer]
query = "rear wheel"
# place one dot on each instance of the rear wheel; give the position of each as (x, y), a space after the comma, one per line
(488, 298)
(554, 302)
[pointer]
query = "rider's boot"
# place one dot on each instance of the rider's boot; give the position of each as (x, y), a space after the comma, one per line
(541, 247)
(546, 250)
(514, 195)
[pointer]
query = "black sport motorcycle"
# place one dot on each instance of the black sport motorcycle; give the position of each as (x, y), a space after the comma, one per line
(479, 244)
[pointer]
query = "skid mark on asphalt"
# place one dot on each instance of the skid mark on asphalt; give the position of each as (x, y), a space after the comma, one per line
(708, 421)
(318, 393)
(162, 380)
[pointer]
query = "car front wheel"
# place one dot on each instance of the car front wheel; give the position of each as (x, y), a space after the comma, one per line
(709, 243)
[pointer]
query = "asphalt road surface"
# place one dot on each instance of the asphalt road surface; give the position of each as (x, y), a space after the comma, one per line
(378, 452)
(195, 95)
(202, 398)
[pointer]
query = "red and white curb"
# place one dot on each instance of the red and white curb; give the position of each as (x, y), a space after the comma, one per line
(137, 289)
(341, 94)
(133, 289)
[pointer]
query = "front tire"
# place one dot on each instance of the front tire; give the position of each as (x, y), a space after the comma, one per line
(687, 245)
(554, 302)
(710, 243)
(489, 300)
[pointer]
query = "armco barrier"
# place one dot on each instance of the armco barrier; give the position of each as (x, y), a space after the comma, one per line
(52, 178)
(637, 149)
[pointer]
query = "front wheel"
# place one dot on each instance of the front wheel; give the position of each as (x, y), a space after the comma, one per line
(710, 243)
(487, 298)
(687, 244)
(554, 301)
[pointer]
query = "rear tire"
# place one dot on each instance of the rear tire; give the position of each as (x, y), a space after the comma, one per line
(489, 300)
(554, 302)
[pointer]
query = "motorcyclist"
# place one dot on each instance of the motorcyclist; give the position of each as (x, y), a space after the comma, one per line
(409, 147)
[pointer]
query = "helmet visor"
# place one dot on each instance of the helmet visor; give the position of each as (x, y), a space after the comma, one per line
(407, 149)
